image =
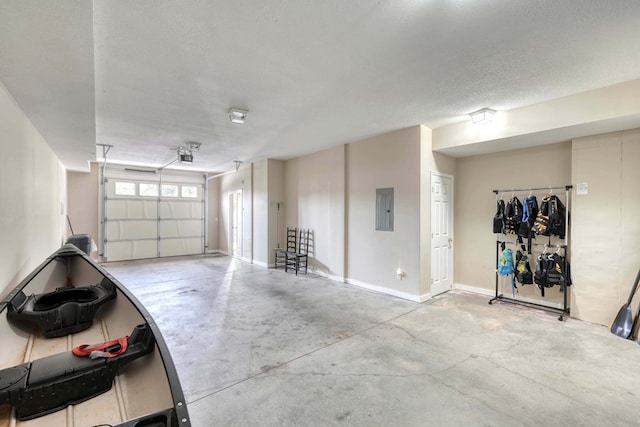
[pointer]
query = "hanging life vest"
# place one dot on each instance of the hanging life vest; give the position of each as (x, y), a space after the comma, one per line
(557, 225)
(529, 213)
(523, 269)
(513, 216)
(505, 263)
(498, 218)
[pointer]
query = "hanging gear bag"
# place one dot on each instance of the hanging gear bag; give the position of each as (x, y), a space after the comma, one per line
(541, 223)
(523, 269)
(551, 270)
(498, 219)
(505, 264)
(540, 275)
(529, 213)
(513, 216)
(557, 212)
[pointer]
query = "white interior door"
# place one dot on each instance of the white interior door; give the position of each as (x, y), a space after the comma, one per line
(441, 233)
(235, 204)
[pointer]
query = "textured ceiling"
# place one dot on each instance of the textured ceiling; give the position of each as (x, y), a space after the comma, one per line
(149, 75)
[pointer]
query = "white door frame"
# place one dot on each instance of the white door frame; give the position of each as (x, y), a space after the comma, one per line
(435, 290)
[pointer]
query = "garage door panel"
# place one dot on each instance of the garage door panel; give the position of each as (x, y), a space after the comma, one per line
(173, 247)
(130, 230)
(143, 209)
(138, 249)
(184, 228)
(181, 209)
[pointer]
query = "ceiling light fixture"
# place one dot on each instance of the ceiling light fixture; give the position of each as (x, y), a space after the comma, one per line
(236, 115)
(483, 116)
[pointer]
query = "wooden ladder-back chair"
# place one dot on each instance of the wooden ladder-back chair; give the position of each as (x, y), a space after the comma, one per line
(297, 260)
(280, 254)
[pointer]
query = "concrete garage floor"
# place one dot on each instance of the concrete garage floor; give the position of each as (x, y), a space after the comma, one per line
(256, 346)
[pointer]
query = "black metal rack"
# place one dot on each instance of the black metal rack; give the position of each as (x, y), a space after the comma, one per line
(565, 310)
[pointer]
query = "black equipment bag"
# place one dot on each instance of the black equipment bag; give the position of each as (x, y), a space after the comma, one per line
(551, 270)
(557, 221)
(523, 269)
(529, 213)
(498, 218)
(513, 216)
(541, 223)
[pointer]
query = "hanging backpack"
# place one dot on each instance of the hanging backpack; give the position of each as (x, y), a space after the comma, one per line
(498, 219)
(541, 223)
(555, 274)
(505, 263)
(529, 213)
(557, 212)
(558, 271)
(523, 269)
(513, 216)
(540, 275)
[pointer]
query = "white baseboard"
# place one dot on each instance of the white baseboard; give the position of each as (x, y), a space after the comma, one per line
(216, 251)
(384, 290)
(245, 259)
(475, 290)
(492, 293)
(261, 264)
(326, 275)
(425, 297)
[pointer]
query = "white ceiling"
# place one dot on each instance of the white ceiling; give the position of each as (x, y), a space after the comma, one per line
(149, 75)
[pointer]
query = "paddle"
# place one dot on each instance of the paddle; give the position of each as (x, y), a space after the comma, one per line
(623, 323)
(635, 335)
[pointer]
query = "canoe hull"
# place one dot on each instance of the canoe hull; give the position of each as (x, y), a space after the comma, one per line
(145, 387)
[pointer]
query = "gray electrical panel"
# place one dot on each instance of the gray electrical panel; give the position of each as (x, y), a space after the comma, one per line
(384, 209)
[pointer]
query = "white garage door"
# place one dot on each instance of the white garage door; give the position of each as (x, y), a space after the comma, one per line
(148, 215)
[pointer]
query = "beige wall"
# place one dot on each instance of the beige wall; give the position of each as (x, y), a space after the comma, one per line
(605, 225)
(275, 194)
(588, 113)
(333, 193)
(476, 177)
(430, 162)
(373, 257)
(213, 215)
(260, 215)
(314, 192)
(32, 195)
(261, 183)
(241, 180)
(82, 194)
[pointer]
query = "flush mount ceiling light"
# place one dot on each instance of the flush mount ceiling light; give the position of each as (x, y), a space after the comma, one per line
(237, 115)
(483, 116)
